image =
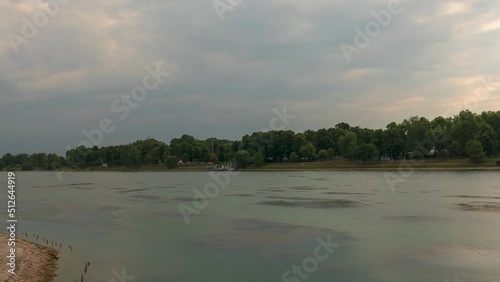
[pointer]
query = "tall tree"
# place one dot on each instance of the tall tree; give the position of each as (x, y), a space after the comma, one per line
(476, 151)
(241, 158)
(347, 144)
(489, 139)
(308, 151)
(259, 160)
(366, 152)
(465, 128)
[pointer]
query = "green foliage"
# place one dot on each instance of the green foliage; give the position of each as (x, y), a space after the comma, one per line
(298, 141)
(241, 158)
(476, 151)
(343, 125)
(53, 161)
(130, 156)
(170, 161)
(308, 151)
(456, 149)
(416, 129)
(323, 154)
(259, 160)
(465, 128)
(294, 157)
(420, 152)
(8, 160)
(330, 153)
(366, 152)
(27, 166)
(347, 144)
(415, 136)
(489, 139)
(39, 160)
(323, 140)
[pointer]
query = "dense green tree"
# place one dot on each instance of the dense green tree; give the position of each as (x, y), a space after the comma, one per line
(309, 135)
(441, 122)
(130, 156)
(465, 128)
(308, 151)
(343, 125)
(298, 141)
(53, 161)
(393, 141)
(8, 160)
(241, 158)
(415, 129)
(415, 136)
(493, 120)
(170, 161)
(323, 140)
(323, 154)
(476, 151)
(152, 157)
(347, 144)
(259, 160)
(366, 152)
(456, 149)
(489, 139)
(27, 166)
(21, 158)
(39, 160)
(330, 153)
(363, 135)
(279, 145)
(437, 139)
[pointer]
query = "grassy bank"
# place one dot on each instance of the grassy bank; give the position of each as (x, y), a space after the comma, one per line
(459, 164)
(428, 164)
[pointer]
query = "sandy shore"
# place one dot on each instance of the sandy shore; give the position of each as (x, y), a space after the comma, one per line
(34, 263)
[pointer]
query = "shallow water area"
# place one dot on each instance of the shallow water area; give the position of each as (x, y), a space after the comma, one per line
(431, 227)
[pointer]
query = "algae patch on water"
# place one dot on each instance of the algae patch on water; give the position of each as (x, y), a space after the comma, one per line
(479, 206)
(310, 203)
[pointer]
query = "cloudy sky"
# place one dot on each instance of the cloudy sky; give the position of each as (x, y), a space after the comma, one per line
(226, 76)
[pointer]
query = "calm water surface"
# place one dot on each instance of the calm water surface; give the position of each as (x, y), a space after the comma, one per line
(263, 223)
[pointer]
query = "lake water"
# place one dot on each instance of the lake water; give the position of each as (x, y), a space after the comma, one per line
(263, 223)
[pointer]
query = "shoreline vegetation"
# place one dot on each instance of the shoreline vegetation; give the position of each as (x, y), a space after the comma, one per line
(465, 141)
(34, 262)
(418, 165)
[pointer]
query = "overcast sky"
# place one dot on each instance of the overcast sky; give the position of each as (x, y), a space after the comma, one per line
(226, 76)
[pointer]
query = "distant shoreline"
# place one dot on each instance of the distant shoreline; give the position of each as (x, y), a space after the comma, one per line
(431, 165)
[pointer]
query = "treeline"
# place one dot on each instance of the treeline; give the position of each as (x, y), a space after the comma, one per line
(466, 135)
